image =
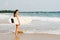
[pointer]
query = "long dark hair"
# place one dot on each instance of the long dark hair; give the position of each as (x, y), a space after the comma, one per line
(15, 12)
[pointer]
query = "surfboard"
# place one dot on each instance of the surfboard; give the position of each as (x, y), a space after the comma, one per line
(23, 20)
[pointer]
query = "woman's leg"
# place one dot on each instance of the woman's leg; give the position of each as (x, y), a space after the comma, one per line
(17, 29)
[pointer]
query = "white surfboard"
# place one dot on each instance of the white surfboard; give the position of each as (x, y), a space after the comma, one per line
(23, 20)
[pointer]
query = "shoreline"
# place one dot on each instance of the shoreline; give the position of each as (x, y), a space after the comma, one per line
(25, 36)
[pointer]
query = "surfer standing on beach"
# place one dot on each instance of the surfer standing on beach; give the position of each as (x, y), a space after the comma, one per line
(18, 20)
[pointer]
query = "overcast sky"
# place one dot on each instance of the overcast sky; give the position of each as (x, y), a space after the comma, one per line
(30, 5)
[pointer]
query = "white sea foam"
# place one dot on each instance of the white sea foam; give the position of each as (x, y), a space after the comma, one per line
(4, 16)
(48, 32)
(51, 19)
(11, 28)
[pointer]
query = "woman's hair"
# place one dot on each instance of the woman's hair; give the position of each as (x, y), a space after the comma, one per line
(15, 12)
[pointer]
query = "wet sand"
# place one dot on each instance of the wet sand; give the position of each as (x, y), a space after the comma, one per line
(4, 21)
(27, 36)
(31, 36)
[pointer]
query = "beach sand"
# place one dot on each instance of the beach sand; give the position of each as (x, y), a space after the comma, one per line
(27, 36)
(30, 36)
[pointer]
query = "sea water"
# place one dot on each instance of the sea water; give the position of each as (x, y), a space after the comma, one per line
(41, 23)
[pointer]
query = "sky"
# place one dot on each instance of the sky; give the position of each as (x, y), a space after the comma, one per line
(30, 5)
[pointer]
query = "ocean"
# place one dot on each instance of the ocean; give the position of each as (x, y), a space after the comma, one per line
(41, 23)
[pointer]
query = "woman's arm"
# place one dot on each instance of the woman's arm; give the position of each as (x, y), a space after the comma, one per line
(18, 20)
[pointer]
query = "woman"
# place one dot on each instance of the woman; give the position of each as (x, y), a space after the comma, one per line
(18, 21)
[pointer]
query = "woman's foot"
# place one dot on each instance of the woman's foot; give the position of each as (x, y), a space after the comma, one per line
(20, 31)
